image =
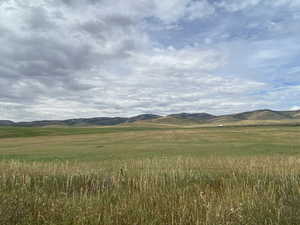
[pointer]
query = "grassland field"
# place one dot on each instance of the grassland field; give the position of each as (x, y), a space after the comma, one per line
(239, 175)
(123, 143)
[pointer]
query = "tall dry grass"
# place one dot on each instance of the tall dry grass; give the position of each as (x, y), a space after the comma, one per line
(249, 191)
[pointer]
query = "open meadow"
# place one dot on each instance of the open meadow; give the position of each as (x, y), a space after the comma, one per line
(150, 175)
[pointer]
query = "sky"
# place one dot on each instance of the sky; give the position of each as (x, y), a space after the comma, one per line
(64, 59)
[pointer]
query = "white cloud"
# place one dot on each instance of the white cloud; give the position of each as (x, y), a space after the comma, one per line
(236, 5)
(179, 60)
(294, 108)
(199, 9)
(62, 59)
(170, 11)
(290, 3)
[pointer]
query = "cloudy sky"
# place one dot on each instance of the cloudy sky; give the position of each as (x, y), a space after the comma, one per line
(87, 58)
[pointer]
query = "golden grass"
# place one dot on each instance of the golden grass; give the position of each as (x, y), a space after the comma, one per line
(173, 191)
(186, 123)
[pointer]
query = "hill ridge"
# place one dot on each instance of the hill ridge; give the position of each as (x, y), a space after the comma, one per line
(262, 114)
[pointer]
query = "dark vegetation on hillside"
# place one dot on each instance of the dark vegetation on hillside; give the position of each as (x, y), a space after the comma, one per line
(183, 117)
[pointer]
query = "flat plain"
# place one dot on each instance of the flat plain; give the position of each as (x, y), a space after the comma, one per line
(150, 175)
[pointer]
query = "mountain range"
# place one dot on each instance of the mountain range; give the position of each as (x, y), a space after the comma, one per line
(181, 118)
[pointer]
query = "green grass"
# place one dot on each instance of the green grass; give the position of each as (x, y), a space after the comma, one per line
(12, 132)
(150, 176)
(123, 143)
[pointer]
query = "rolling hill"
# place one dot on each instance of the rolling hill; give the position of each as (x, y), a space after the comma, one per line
(194, 116)
(172, 119)
(264, 114)
(6, 123)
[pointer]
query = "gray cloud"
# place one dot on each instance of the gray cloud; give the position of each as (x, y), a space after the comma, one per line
(82, 58)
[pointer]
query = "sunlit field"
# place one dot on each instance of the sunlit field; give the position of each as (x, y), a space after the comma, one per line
(235, 175)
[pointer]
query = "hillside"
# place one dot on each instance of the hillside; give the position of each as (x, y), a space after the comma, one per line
(172, 119)
(199, 117)
(6, 123)
(253, 115)
(262, 115)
